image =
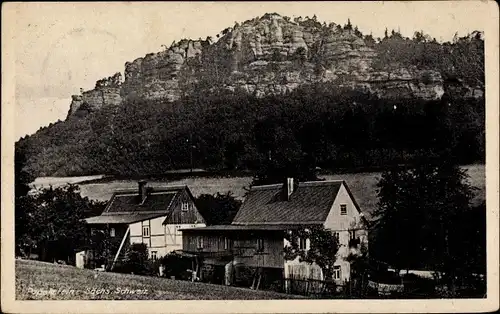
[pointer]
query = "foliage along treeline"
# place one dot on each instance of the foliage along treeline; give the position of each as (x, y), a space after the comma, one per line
(426, 220)
(314, 126)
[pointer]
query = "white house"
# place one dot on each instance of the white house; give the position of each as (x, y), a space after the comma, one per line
(256, 236)
(150, 216)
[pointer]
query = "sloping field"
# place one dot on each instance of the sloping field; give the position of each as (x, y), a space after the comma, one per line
(45, 281)
(362, 185)
(58, 181)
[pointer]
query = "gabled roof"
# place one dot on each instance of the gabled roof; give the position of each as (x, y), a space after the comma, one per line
(310, 203)
(125, 206)
(239, 228)
(131, 203)
(121, 219)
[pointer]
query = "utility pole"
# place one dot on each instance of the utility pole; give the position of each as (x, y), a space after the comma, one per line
(191, 146)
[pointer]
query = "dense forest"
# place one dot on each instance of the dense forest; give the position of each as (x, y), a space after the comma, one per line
(316, 125)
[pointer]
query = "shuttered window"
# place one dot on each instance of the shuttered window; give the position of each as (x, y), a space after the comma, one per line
(343, 209)
(260, 245)
(302, 243)
(145, 231)
(336, 272)
(199, 243)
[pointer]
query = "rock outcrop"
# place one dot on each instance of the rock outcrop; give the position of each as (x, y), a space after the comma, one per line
(267, 55)
(156, 76)
(105, 93)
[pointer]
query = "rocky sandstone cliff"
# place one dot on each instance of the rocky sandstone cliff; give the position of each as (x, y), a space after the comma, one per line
(267, 55)
(105, 93)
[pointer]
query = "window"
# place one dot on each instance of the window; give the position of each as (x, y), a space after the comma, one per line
(302, 243)
(227, 243)
(352, 234)
(185, 207)
(343, 209)
(112, 232)
(199, 243)
(336, 235)
(336, 272)
(145, 231)
(154, 256)
(260, 245)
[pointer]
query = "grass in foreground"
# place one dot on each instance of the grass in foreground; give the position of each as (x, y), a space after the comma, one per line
(45, 281)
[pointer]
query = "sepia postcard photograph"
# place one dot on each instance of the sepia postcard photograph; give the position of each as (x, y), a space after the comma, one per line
(250, 157)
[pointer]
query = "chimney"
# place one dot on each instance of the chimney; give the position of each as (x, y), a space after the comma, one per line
(142, 191)
(289, 186)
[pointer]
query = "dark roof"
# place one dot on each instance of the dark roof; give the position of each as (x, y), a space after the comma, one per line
(125, 206)
(310, 203)
(131, 203)
(238, 228)
(121, 218)
(128, 201)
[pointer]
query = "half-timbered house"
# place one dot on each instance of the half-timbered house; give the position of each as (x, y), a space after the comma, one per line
(154, 217)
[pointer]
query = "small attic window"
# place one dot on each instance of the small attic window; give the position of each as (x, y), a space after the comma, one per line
(343, 209)
(185, 207)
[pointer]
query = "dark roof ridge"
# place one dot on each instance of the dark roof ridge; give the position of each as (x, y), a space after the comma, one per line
(323, 182)
(170, 188)
(276, 223)
(267, 186)
(304, 183)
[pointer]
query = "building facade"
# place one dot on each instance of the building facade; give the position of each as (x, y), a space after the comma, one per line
(150, 216)
(256, 238)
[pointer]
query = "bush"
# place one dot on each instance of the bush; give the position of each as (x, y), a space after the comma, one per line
(244, 276)
(176, 265)
(136, 260)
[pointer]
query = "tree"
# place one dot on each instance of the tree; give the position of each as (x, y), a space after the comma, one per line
(50, 220)
(419, 221)
(322, 249)
(136, 259)
(467, 56)
(218, 209)
(348, 26)
(357, 32)
(359, 265)
(22, 178)
(23, 207)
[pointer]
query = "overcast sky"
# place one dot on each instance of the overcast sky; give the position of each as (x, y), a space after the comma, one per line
(62, 47)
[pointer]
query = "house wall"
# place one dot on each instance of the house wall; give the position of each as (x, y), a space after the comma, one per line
(163, 238)
(244, 248)
(167, 238)
(342, 224)
(180, 217)
(271, 256)
(211, 242)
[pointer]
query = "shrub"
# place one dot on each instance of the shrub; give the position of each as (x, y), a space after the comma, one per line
(136, 259)
(176, 265)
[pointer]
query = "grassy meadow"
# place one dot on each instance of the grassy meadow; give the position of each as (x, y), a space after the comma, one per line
(45, 281)
(362, 185)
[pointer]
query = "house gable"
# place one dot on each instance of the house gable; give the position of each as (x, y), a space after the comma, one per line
(336, 219)
(183, 210)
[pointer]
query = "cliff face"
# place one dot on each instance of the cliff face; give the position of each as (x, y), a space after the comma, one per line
(267, 55)
(106, 93)
(156, 75)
